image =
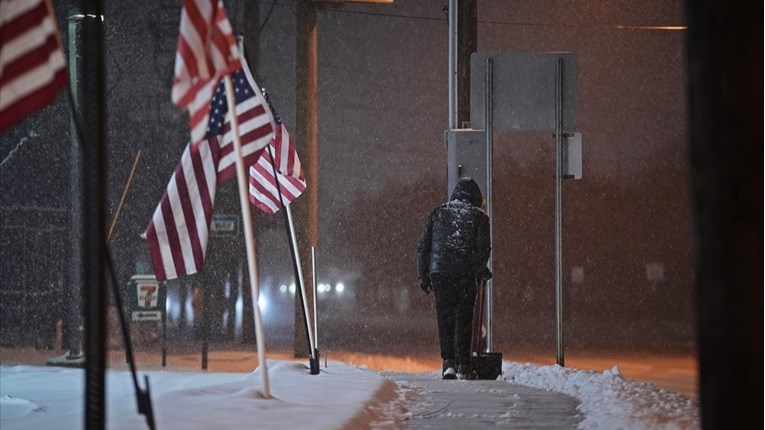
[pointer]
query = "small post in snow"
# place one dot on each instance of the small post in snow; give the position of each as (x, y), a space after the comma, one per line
(315, 300)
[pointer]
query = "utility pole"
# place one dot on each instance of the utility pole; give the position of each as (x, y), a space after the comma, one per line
(725, 68)
(306, 143)
(467, 44)
(94, 199)
(250, 30)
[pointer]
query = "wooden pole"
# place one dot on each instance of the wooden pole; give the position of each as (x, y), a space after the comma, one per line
(306, 142)
(124, 193)
(467, 44)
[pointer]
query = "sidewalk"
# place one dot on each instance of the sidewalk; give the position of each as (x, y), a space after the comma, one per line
(355, 391)
(444, 404)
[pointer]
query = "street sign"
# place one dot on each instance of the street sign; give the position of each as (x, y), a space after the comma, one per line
(147, 300)
(140, 316)
(146, 297)
(224, 225)
(526, 92)
(523, 90)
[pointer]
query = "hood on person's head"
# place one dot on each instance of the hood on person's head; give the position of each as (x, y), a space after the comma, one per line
(468, 190)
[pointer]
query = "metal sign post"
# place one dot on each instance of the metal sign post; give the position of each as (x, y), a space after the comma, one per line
(489, 127)
(147, 299)
(558, 212)
(528, 92)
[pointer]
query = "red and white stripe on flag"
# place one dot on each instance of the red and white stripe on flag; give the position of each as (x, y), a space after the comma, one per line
(256, 126)
(32, 65)
(206, 51)
(178, 232)
(263, 191)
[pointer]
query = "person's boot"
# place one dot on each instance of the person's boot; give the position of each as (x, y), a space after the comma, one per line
(463, 371)
(449, 371)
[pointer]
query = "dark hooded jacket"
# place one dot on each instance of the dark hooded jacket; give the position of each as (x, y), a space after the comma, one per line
(455, 240)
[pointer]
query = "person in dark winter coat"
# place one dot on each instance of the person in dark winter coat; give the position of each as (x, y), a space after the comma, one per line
(452, 253)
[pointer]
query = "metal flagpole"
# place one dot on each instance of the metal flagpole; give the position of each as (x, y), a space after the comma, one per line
(302, 282)
(248, 235)
(314, 356)
(559, 211)
(315, 300)
(74, 316)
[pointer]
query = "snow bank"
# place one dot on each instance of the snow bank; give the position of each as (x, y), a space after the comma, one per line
(608, 401)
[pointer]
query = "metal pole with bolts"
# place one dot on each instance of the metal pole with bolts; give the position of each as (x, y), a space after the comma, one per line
(315, 301)
(489, 126)
(453, 26)
(74, 311)
(559, 211)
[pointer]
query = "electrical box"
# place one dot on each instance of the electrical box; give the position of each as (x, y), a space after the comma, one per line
(572, 155)
(466, 156)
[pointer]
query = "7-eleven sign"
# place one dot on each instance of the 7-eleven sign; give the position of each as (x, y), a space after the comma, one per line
(147, 295)
(147, 298)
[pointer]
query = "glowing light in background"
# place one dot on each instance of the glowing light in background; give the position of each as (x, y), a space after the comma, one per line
(239, 311)
(189, 309)
(172, 310)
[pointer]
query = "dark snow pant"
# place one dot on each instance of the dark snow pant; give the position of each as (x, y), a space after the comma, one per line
(455, 300)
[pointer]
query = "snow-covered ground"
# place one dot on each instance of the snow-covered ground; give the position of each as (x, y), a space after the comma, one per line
(609, 401)
(39, 397)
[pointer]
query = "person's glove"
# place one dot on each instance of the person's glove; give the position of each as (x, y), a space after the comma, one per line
(485, 274)
(425, 286)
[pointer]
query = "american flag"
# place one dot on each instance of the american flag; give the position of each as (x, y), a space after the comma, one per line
(178, 231)
(206, 52)
(32, 65)
(263, 191)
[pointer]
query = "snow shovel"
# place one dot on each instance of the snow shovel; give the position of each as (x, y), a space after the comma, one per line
(485, 365)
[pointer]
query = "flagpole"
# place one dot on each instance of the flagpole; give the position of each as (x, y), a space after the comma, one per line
(248, 234)
(313, 353)
(291, 225)
(124, 194)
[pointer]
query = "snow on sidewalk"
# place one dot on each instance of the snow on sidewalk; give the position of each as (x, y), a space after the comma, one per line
(341, 396)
